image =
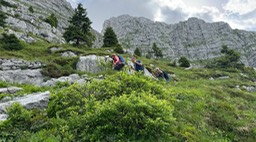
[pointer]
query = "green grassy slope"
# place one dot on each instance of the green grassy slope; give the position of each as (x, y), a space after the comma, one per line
(202, 109)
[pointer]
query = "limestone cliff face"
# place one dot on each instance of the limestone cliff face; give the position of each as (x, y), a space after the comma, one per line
(23, 22)
(194, 38)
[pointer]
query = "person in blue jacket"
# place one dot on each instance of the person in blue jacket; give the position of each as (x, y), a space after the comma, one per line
(160, 74)
(138, 66)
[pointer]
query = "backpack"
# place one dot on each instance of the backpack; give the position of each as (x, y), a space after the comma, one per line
(121, 58)
(138, 67)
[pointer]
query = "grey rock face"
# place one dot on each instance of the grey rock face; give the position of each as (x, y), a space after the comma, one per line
(23, 21)
(90, 63)
(22, 76)
(194, 38)
(68, 54)
(15, 64)
(10, 90)
(36, 100)
(70, 79)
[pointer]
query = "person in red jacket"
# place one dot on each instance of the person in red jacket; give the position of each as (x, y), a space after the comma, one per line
(117, 63)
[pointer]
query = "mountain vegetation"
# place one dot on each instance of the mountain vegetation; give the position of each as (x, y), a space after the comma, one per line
(137, 52)
(157, 51)
(213, 103)
(52, 19)
(126, 107)
(10, 42)
(109, 38)
(79, 29)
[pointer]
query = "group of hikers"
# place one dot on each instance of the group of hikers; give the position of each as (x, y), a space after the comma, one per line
(119, 62)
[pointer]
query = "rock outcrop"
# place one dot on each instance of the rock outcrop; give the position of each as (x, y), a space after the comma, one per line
(194, 38)
(24, 21)
(10, 90)
(30, 26)
(36, 100)
(91, 63)
(20, 71)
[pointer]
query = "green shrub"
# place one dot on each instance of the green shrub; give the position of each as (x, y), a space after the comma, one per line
(17, 15)
(137, 52)
(230, 59)
(2, 19)
(18, 123)
(30, 9)
(7, 4)
(157, 51)
(60, 67)
(52, 20)
(119, 49)
(11, 42)
(120, 108)
(183, 61)
(133, 117)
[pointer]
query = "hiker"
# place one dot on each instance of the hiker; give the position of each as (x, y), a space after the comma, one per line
(118, 62)
(138, 66)
(162, 74)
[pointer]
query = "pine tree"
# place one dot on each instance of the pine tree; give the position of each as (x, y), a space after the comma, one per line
(137, 52)
(79, 29)
(110, 38)
(157, 52)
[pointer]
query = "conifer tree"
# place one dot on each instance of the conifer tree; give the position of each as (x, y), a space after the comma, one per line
(79, 29)
(157, 52)
(110, 38)
(137, 52)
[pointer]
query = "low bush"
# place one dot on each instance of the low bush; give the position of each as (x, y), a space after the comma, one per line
(10, 42)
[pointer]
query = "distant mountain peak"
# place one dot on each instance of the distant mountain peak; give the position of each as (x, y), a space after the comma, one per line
(193, 38)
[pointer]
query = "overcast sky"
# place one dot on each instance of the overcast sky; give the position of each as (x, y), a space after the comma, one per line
(240, 14)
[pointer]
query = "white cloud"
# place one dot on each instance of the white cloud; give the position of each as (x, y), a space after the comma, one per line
(240, 7)
(239, 14)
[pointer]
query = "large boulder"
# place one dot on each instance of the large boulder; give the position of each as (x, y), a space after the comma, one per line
(91, 63)
(22, 76)
(36, 100)
(10, 90)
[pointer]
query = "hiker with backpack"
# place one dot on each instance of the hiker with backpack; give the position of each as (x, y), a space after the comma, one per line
(118, 62)
(138, 66)
(160, 74)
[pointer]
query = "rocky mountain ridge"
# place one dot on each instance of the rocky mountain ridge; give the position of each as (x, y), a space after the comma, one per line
(23, 22)
(195, 39)
(30, 26)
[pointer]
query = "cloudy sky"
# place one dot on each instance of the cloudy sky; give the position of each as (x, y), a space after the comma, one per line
(240, 14)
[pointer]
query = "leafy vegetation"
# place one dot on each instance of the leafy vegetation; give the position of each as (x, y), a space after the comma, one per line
(137, 52)
(157, 51)
(230, 59)
(2, 19)
(119, 49)
(109, 38)
(10, 42)
(183, 61)
(31, 9)
(126, 107)
(7, 4)
(79, 29)
(52, 20)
